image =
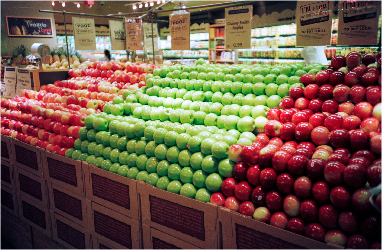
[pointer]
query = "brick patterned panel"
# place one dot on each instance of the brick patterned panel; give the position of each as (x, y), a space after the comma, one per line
(70, 235)
(5, 173)
(62, 171)
(7, 199)
(4, 150)
(34, 214)
(30, 186)
(160, 244)
(26, 157)
(67, 204)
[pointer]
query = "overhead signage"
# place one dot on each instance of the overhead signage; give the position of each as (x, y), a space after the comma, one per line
(314, 23)
(117, 35)
(84, 33)
(29, 26)
(238, 27)
(358, 22)
(180, 31)
(134, 37)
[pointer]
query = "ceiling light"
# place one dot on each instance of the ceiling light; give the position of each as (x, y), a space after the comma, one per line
(134, 7)
(63, 4)
(78, 5)
(146, 4)
(152, 4)
(140, 6)
(158, 2)
(53, 3)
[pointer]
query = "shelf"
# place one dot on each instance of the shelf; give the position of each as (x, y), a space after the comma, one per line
(190, 49)
(115, 53)
(217, 25)
(217, 38)
(285, 35)
(223, 61)
(186, 57)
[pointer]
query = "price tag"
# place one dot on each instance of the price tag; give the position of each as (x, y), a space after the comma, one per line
(358, 22)
(10, 81)
(180, 31)
(23, 80)
(117, 35)
(84, 33)
(238, 27)
(314, 23)
(134, 39)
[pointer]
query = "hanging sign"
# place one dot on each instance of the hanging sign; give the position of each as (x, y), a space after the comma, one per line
(238, 27)
(314, 23)
(149, 34)
(358, 22)
(134, 39)
(84, 33)
(117, 35)
(180, 31)
(10, 76)
(23, 80)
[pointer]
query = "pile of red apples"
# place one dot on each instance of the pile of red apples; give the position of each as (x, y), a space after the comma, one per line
(310, 172)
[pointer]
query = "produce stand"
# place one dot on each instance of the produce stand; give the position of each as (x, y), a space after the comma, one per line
(41, 77)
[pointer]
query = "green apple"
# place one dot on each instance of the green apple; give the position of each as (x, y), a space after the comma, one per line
(246, 124)
(294, 79)
(299, 73)
(229, 139)
(275, 71)
(193, 75)
(216, 108)
(259, 110)
(207, 85)
(152, 179)
(196, 160)
(164, 114)
(283, 90)
(217, 97)
(208, 96)
(260, 123)
(216, 86)
(199, 179)
(227, 99)
(210, 164)
(179, 129)
(182, 140)
(89, 121)
(232, 132)
(90, 160)
(106, 165)
(246, 78)
(249, 100)
(140, 147)
(194, 143)
(219, 75)
(162, 168)
(247, 88)
(245, 111)
(186, 175)
(99, 150)
(226, 87)
(91, 148)
(195, 105)
(122, 157)
(273, 101)
(142, 176)
(206, 145)
(260, 100)
(244, 141)
(82, 133)
(159, 135)
(225, 168)
(161, 151)
(282, 79)
(211, 119)
(187, 116)
(184, 158)
(238, 99)
(77, 144)
(132, 173)
(219, 150)
(114, 155)
(84, 146)
(204, 134)
(174, 172)
(149, 133)
(163, 182)
(115, 167)
(118, 109)
(121, 127)
(231, 122)
(173, 154)
(141, 162)
(225, 110)
(113, 126)
(146, 112)
(170, 138)
(188, 190)
(270, 78)
(132, 160)
(271, 89)
(236, 87)
(229, 77)
(203, 195)
(251, 136)
(205, 106)
(150, 148)
(122, 143)
(214, 182)
(177, 103)
(151, 165)
(258, 79)
(220, 121)
(174, 186)
(76, 154)
(130, 146)
(198, 85)
(91, 135)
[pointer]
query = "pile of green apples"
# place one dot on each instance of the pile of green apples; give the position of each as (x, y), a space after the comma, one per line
(175, 133)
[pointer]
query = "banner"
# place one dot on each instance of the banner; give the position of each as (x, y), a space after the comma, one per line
(148, 35)
(117, 35)
(23, 80)
(10, 75)
(238, 27)
(84, 33)
(314, 23)
(134, 39)
(180, 31)
(358, 22)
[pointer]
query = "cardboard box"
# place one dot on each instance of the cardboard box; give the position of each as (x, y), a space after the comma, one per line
(9, 200)
(68, 204)
(114, 229)
(41, 241)
(35, 215)
(33, 187)
(155, 239)
(15, 231)
(7, 175)
(187, 219)
(64, 171)
(69, 234)
(6, 151)
(240, 231)
(27, 157)
(112, 190)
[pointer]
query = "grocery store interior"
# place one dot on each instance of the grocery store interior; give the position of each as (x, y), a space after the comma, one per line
(190, 124)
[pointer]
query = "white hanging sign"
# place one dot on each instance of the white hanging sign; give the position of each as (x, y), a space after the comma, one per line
(117, 35)
(150, 34)
(10, 77)
(238, 27)
(358, 22)
(84, 33)
(23, 80)
(134, 39)
(314, 23)
(180, 31)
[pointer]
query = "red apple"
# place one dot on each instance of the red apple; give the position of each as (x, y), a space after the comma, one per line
(351, 122)
(375, 144)
(272, 128)
(297, 165)
(322, 77)
(279, 219)
(357, 241)
(370, 124)
(234, 152)
(315, 231)
(268, 178)
(328, 216)
(253, 175)
(266, 154)
(347, 221)
(243, 191)
(296, 225)
(247, 208)
(341, 93)
(360, 200)
(340, 197)
(280, 161)
(217, 199)
(369, 79)
(258, 196)
(287, 131)
(326, 92)
(286, 115)
(291, 205)
(320, 135)
(232, 203)
(330, 106)
(339, 138)
(262, 214)
(307, 79)
(228, 187)
(303, 131)
(240, 172)
(336, 237)
(338, 61)
(284, 183)
(274, 201)
(363, 110)
(249, 154)
(373, 175)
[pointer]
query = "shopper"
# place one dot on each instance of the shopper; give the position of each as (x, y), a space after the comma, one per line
(107, 55)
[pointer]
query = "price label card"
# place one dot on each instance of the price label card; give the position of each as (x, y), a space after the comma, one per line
(180, 31)
(134, 37)
(358, 22)
(117, 35)
(23, 80)
(10, 76)
(314, 23)
(238, 27)
(150, 35)
(84, 33)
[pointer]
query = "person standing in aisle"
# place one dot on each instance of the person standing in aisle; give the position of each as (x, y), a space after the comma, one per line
(107, 56)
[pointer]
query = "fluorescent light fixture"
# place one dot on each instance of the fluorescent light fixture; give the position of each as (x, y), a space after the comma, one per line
(140, 6)
(146, 4)
(151, 4)
(63, 4)
(134, 7)
(78, 5)
(53, 3)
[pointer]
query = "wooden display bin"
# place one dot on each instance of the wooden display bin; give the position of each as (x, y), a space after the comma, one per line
(15, 231)
(113, 229)
(6, 151)
(187, 219)
(68, 233)
(41, 77)
(9, 200)
(41, 241)
(35, 215)
(33, 187)
(64, 172)
(7, 175)
(240, 231)
(155, 239)
(111, 190)
(68, 204)
(27, 157)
